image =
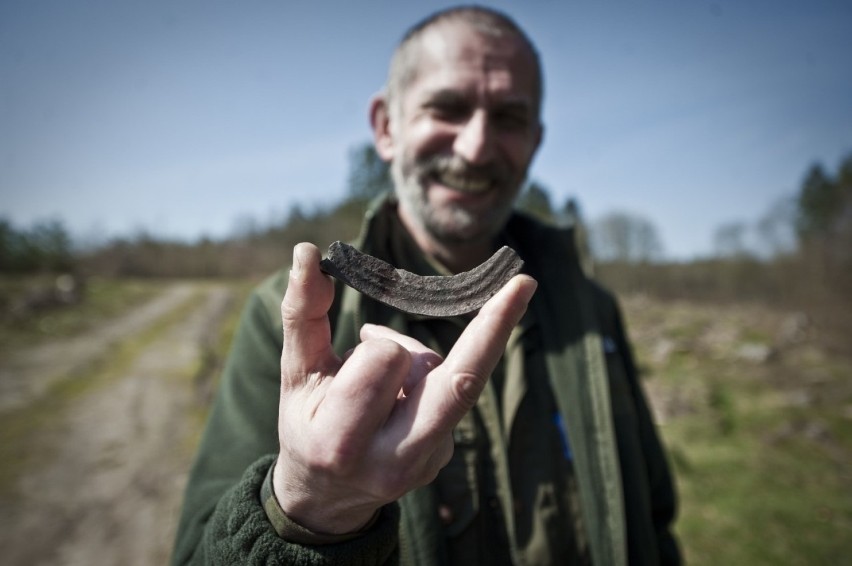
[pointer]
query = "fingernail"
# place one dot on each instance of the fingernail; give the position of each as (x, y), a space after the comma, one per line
(528, 290)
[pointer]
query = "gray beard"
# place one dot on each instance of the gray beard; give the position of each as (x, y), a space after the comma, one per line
(450, 226)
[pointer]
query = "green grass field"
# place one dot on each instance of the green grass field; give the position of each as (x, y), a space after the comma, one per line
(759, 428)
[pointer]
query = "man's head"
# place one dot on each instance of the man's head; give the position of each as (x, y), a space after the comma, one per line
(486, 21)
(460, 123)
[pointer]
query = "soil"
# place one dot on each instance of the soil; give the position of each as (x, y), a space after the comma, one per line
(108, 482)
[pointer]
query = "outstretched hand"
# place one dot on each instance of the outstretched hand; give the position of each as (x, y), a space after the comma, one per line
(358, 433)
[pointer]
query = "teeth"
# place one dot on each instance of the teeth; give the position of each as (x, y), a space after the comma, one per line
(466, 184)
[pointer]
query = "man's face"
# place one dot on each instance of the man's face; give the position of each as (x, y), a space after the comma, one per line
(463, 133)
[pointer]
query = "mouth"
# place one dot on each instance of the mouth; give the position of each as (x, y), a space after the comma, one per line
(471, 184)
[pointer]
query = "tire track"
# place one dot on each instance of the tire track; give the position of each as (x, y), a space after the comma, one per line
(28, 374)
(110, 489)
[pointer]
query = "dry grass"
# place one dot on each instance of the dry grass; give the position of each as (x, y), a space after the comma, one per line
(756, 411)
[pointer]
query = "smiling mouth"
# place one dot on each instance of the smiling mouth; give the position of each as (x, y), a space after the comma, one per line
(464, 183)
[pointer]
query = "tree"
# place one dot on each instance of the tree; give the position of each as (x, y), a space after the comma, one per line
(46, 246)
(729, 240)
(776, 228)
(535, 200)
(8, 242)
(570, 216)
(818, 200)
(824, 215)
(369, 175)
(622, 236)
(843, 213)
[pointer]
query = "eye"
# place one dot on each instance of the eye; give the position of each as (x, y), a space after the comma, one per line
(449, 110)
(448, 106)
(510, 119)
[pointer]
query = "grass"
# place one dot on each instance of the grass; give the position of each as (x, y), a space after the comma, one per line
(761, 451)
(749, 501)
(206, 373)
(104, 298)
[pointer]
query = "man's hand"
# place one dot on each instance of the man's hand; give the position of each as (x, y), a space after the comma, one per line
(358, 433)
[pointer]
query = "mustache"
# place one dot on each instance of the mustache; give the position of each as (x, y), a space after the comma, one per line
(439, 165)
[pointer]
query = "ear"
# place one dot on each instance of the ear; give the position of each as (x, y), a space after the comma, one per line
(380, 123)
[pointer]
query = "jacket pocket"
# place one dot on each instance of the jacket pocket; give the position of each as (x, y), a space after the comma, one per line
(457, 483)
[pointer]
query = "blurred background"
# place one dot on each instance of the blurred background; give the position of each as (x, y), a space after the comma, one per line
(158, 159)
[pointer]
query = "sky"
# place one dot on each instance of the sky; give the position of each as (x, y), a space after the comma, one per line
(186, 118)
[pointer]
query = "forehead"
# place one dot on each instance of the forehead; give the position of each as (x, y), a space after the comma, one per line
(458, 56)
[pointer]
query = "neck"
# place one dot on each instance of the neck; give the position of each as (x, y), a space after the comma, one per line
(455, 256)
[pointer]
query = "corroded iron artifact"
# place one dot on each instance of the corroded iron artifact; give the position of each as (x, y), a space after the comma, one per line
(417, 294)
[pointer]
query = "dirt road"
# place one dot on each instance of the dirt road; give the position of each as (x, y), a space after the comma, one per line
(103, 476)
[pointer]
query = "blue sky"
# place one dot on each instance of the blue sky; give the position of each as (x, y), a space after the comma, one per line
(183, 117)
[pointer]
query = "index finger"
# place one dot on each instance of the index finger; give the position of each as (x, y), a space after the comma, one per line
(304, 315)
(453, 388)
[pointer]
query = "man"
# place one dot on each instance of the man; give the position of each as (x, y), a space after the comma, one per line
(528, 443)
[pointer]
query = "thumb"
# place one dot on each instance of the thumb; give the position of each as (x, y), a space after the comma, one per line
(304, 315)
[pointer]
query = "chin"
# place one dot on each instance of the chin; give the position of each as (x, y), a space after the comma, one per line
(458, 226)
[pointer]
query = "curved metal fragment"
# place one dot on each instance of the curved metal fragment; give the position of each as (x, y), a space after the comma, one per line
(418, 294)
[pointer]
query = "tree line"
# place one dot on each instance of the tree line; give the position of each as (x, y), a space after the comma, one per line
(814, 226)
(46, 246)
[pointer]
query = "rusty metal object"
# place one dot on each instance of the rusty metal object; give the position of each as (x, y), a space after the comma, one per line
(418, 294)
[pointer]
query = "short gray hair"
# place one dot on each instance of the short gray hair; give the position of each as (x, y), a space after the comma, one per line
(488, 21)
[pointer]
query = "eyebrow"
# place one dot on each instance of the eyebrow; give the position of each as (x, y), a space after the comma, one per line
(445, 97)
(451, 97)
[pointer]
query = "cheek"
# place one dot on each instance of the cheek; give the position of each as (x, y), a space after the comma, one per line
(428, 137)
(518, 152)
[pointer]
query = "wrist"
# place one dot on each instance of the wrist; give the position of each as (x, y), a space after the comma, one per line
(310, 513)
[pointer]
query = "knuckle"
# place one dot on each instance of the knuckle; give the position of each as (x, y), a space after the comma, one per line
(389, 350)
(385, 354)
(466, 387)
(403, 478)
(430, 360)
(444, 453)
(436, 460)
(289, 302)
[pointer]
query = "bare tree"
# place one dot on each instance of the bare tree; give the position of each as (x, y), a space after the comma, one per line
(535, 200)
(623, 236)
(776, 229)
(729, 240)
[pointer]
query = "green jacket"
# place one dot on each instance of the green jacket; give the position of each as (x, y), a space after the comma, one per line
(624, 485)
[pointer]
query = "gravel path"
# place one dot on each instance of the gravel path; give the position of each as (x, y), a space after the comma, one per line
(110, 489)
(27, 374)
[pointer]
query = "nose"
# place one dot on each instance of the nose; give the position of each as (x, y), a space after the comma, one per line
(474, 139)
